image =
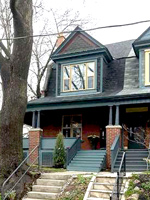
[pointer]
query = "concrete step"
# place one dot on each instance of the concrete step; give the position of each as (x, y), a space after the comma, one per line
(50, 182)
(54, 176)
(42, 195)
(45, 188)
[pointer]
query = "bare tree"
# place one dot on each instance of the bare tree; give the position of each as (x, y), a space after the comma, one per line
(14, 67)
(43, 47)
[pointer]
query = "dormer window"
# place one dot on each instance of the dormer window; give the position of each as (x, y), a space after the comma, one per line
(147, 67)
(79, 76)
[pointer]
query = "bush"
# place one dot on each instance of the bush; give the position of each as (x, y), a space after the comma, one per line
(59, 155)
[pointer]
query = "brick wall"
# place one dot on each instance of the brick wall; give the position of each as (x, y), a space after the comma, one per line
(51, 131)
(111, 132)
(34, 140)
(89, 129)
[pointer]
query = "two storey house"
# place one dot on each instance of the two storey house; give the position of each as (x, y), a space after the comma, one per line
(96, 92)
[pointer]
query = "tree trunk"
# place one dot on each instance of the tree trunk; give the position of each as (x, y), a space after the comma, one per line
(14, 72)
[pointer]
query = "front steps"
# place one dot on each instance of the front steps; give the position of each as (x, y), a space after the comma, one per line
(88, 161)
(48, 186)
(134, 160)
(101, 187)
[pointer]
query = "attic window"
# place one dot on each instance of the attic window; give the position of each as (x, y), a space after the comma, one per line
(79, 77)
(147, 67)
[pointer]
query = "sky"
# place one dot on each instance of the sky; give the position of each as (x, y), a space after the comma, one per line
(108, 12)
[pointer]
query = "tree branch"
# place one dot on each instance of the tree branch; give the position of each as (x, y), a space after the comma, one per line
(32, 89)
(4, 49)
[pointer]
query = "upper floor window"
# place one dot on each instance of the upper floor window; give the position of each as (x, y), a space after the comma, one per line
(78, 77)
(147, 67)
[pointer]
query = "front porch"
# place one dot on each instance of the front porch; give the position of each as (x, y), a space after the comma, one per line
(102, 123)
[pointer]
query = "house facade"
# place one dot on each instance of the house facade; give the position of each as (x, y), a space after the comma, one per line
(92, 90)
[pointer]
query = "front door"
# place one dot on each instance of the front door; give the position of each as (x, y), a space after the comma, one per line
(136, 137)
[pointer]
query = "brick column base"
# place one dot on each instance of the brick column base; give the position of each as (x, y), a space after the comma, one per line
(111, 133)
(34, 140)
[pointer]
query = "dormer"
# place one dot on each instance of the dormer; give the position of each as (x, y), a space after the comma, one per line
(79, 64)
(142, 50)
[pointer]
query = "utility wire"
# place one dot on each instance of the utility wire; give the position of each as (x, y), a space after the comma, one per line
(90, 29)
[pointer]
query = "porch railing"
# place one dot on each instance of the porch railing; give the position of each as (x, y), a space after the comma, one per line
(5, 196)
(114, 151)
(72, 151)
(119, 179)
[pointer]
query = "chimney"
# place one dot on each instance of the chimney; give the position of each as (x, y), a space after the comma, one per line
(60, 40)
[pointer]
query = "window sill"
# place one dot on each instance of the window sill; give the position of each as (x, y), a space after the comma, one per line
(85, 92)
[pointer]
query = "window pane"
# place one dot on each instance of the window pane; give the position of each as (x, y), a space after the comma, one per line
(90, 68)
(78, 77)
(66, 72)
(66, 85)
(90, 82)
(77, 119)
(66, 122)
(66, 132)
(76, 132)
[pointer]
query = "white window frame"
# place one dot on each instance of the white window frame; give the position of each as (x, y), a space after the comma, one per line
(147, 67)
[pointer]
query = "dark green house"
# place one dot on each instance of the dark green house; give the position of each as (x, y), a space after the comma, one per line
(92, 89)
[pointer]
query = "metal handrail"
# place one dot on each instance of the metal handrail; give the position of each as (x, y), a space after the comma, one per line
(69, 149)
(117, 186)
(11, 175)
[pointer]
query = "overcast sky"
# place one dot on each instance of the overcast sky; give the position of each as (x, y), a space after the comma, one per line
(108, 12)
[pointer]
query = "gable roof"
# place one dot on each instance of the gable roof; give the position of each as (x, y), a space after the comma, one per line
(143, 41)
(79, 43)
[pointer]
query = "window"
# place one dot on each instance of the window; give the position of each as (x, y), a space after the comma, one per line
(72, 125)
(147, 67)
(78, 77)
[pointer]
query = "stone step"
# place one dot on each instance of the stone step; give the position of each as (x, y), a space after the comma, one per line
(50, 182)
(93, 198)
(42, 195)
(54, 176)
(45, 188)
(103, 186)
(105, 180)
(100, 193)
(31, 199)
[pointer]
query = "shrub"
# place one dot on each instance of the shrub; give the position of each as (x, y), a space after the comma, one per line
(59, 155)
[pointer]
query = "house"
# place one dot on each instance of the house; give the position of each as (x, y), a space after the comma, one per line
(92, 89)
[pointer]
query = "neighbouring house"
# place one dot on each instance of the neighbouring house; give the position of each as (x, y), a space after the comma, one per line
(92, 89)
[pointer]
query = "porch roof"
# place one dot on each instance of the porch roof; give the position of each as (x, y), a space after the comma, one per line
(122, 97)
